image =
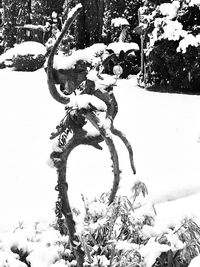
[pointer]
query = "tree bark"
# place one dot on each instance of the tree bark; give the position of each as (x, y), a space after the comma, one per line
(90, 23)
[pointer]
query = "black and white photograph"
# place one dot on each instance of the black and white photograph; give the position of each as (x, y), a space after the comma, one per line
(100, 133)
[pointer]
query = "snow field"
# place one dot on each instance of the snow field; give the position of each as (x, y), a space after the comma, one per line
(163, 129)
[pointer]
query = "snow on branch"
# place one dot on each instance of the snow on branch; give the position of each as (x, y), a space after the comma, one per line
(117, 22)
(74, 10)
(34, 27)
(86, 101)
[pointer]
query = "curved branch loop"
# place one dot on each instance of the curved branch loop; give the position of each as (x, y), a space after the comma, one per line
(113, 152)
(52, 88)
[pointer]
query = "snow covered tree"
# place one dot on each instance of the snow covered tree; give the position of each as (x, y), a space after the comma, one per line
(173, 45)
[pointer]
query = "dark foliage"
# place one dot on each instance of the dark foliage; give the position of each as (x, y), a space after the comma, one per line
(169, 69)
(128, 10)
(127, 61)
(28, 62)
(56, 6)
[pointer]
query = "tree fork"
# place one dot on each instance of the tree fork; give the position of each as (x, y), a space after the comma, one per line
(112, 109)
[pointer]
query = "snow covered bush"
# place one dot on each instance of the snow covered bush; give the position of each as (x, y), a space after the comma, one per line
(172, 36)
(32, 57)
(27, 56)
(122, 234)
(120, 19)
(123, 55)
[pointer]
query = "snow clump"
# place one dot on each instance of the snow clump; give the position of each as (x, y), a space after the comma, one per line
(117, 22)
(86, 101)
(189, 39)
(195, 262)
(90, 54)
(117, 47)
(27, 48)
(170, 9)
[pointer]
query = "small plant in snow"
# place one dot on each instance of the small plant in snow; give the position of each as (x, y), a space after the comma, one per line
(118, 235)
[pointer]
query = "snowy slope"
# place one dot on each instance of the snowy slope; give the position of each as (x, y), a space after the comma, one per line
(27, 115)
(164, 130)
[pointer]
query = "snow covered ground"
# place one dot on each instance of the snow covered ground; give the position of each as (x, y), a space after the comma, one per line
(164, 130)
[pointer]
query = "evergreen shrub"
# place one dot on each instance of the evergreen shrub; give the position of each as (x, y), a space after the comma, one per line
(28, 62)
(173, 45)
(27, 56)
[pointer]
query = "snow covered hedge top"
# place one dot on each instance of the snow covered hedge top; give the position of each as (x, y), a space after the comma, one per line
(26, 48)
(90, 54)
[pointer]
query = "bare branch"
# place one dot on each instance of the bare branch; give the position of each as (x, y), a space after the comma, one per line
(127, 144)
